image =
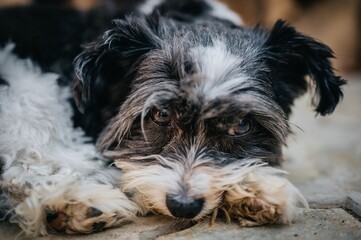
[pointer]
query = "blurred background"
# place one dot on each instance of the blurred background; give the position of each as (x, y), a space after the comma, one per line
(334, 22)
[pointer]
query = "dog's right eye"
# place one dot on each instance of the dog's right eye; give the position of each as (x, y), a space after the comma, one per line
(243, 127)
(160, 117)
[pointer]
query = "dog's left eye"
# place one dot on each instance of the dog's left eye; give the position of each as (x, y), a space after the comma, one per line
(241, 128)
(160, 117)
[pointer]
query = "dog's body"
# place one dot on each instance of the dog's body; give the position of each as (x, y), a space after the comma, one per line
(188, 104)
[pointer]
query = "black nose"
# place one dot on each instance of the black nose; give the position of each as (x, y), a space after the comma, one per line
(184, 209)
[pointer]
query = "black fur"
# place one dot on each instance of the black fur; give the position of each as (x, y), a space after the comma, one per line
(3, 82)
(293, 56)
(53, 36)
(109, 70)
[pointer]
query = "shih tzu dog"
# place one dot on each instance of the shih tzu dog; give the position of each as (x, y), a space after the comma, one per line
(184, 112)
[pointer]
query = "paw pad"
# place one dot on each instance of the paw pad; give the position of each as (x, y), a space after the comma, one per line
(80, 218)
(93, 212)
(56, 220)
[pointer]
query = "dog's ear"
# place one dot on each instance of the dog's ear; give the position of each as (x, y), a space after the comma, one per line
(292, 57)
(103, 69)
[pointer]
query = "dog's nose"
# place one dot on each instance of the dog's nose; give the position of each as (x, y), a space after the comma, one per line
(184, 209)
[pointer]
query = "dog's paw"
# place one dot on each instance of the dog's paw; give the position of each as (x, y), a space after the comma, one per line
(88, 209)
(253, 211)
(80, 218)
(263, 197)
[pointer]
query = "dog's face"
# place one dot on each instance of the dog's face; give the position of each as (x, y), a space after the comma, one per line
(206, 101)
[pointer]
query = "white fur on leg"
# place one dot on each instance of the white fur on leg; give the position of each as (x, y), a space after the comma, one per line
(45, 158)
(265, 196)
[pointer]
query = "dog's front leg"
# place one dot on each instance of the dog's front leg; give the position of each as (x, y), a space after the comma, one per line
(264, 196)
(88, 208)
(65, 202)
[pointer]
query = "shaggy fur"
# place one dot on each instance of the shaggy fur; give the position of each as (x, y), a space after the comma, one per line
(48, 165)
(191, 107)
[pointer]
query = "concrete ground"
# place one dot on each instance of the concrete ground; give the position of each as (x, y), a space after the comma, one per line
(324, 161)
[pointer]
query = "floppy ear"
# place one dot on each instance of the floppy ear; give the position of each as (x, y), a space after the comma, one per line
(292, 57)
(104, 69)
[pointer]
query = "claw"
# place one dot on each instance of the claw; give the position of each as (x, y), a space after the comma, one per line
(98, 226)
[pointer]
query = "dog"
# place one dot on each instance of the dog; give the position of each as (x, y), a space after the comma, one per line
(189, 106)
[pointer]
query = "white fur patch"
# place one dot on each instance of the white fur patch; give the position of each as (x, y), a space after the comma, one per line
(149, 6)
(220, 10)
(36, 117)
(44, 155)
(219, 70)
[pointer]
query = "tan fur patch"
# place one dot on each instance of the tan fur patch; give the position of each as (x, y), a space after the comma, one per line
(254, 212)
(263, 197)
(79, 218)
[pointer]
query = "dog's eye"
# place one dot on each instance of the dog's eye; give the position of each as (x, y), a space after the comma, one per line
(188, 67)
(160, 117)
(241, 128)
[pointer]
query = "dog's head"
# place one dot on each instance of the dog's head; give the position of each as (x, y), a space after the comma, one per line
(205, 101)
